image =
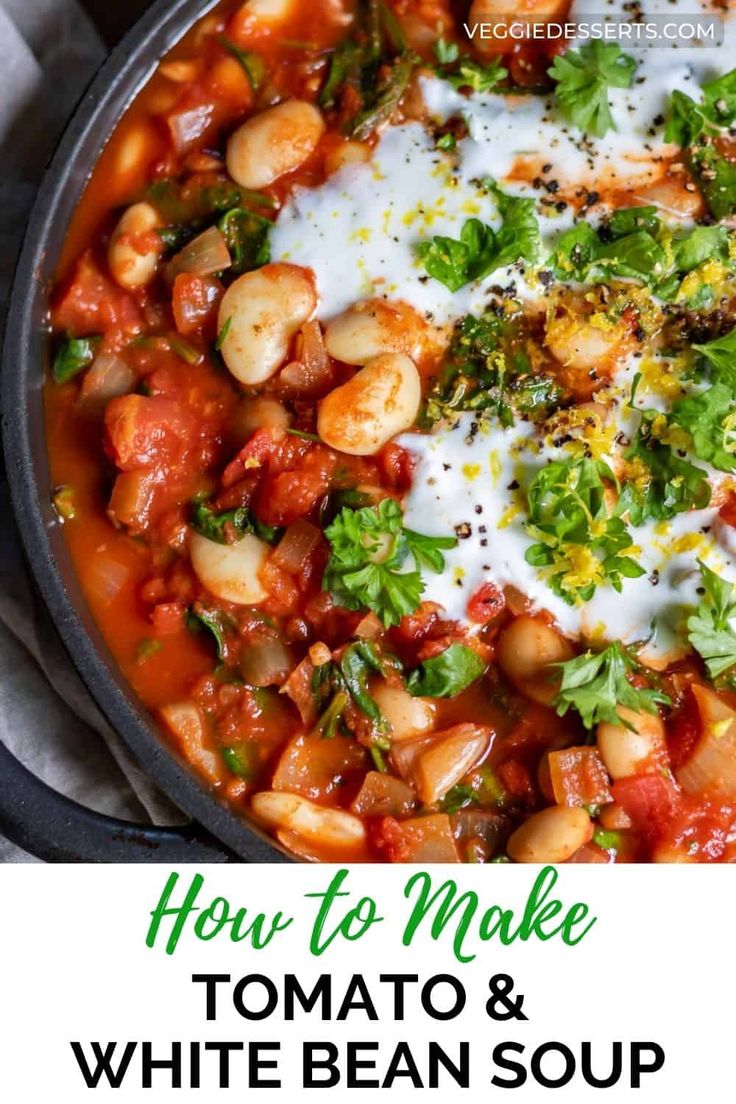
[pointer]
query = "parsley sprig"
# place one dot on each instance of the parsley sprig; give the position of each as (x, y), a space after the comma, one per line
(635, 244)
(709, 629)
(661, 482)
(463, 71)
(583, 79)
(597, 684)
(696, 127)
(371, 551)
(481, 250)
(721, 356)
(688, 120)
(579, 544)
(708, 418)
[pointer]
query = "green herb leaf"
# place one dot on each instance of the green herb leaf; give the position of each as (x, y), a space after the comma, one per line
(247, 237)
(213, 620)
(672, 484)
(709, 419)
(583, 79)
(701, 244)
(358, 661)
(446, 675)
(459, 797)
(224, 331)
(347, 681)
(596, 684)
(719, 98)
(446, 52)
(74, 355)
(242, 759)
(686, 121)
(463, 71)
(721, 354)
(147, 649)
(388, 95)
(367, 567)
(717, 179)
(253, 64)
(224, 528)
(631, 244)
(709, 629)
(579, 545)
(472, 74)
(481, 249)
(487, 369)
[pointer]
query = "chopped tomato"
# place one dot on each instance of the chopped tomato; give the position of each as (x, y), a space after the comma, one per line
(649, 799)
(397, 467)
(283, 498)
(486, 604)
(195, 302)
(684, 730)
(90, 303)
(727, 512)
(578, 777)
(147, 432)
(168, 617)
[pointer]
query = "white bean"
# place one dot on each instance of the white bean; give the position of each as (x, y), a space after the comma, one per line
(582, 344)
(347, 153)
(260, 312)
(273, 143)
(329, 827)
(268, 11)
(627, 751)
(374, 327)
(230, 571)
(552, 836)
(260, 412)
(135, 248)
(365, 413)
(407, 715)
(525, 651)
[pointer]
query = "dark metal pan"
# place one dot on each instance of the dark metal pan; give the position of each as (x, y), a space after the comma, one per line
(33, 815)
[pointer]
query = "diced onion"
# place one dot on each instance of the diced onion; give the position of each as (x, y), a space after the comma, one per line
(266, 664)
(452, 754)
(711, 768)
(298, 687)
(405, 754)
(312, 373)
(108, 377)
(424, 839)
(187, 127)
(314, 767)
(383, 795)
(470, 824)
(369, 628)
(187, 724)
(207, 254)
(106, 577)
(133, 498)
(299, 540)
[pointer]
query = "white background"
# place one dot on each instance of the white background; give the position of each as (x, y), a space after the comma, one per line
(659, 965)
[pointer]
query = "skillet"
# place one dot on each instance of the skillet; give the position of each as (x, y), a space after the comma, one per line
(33, 815)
